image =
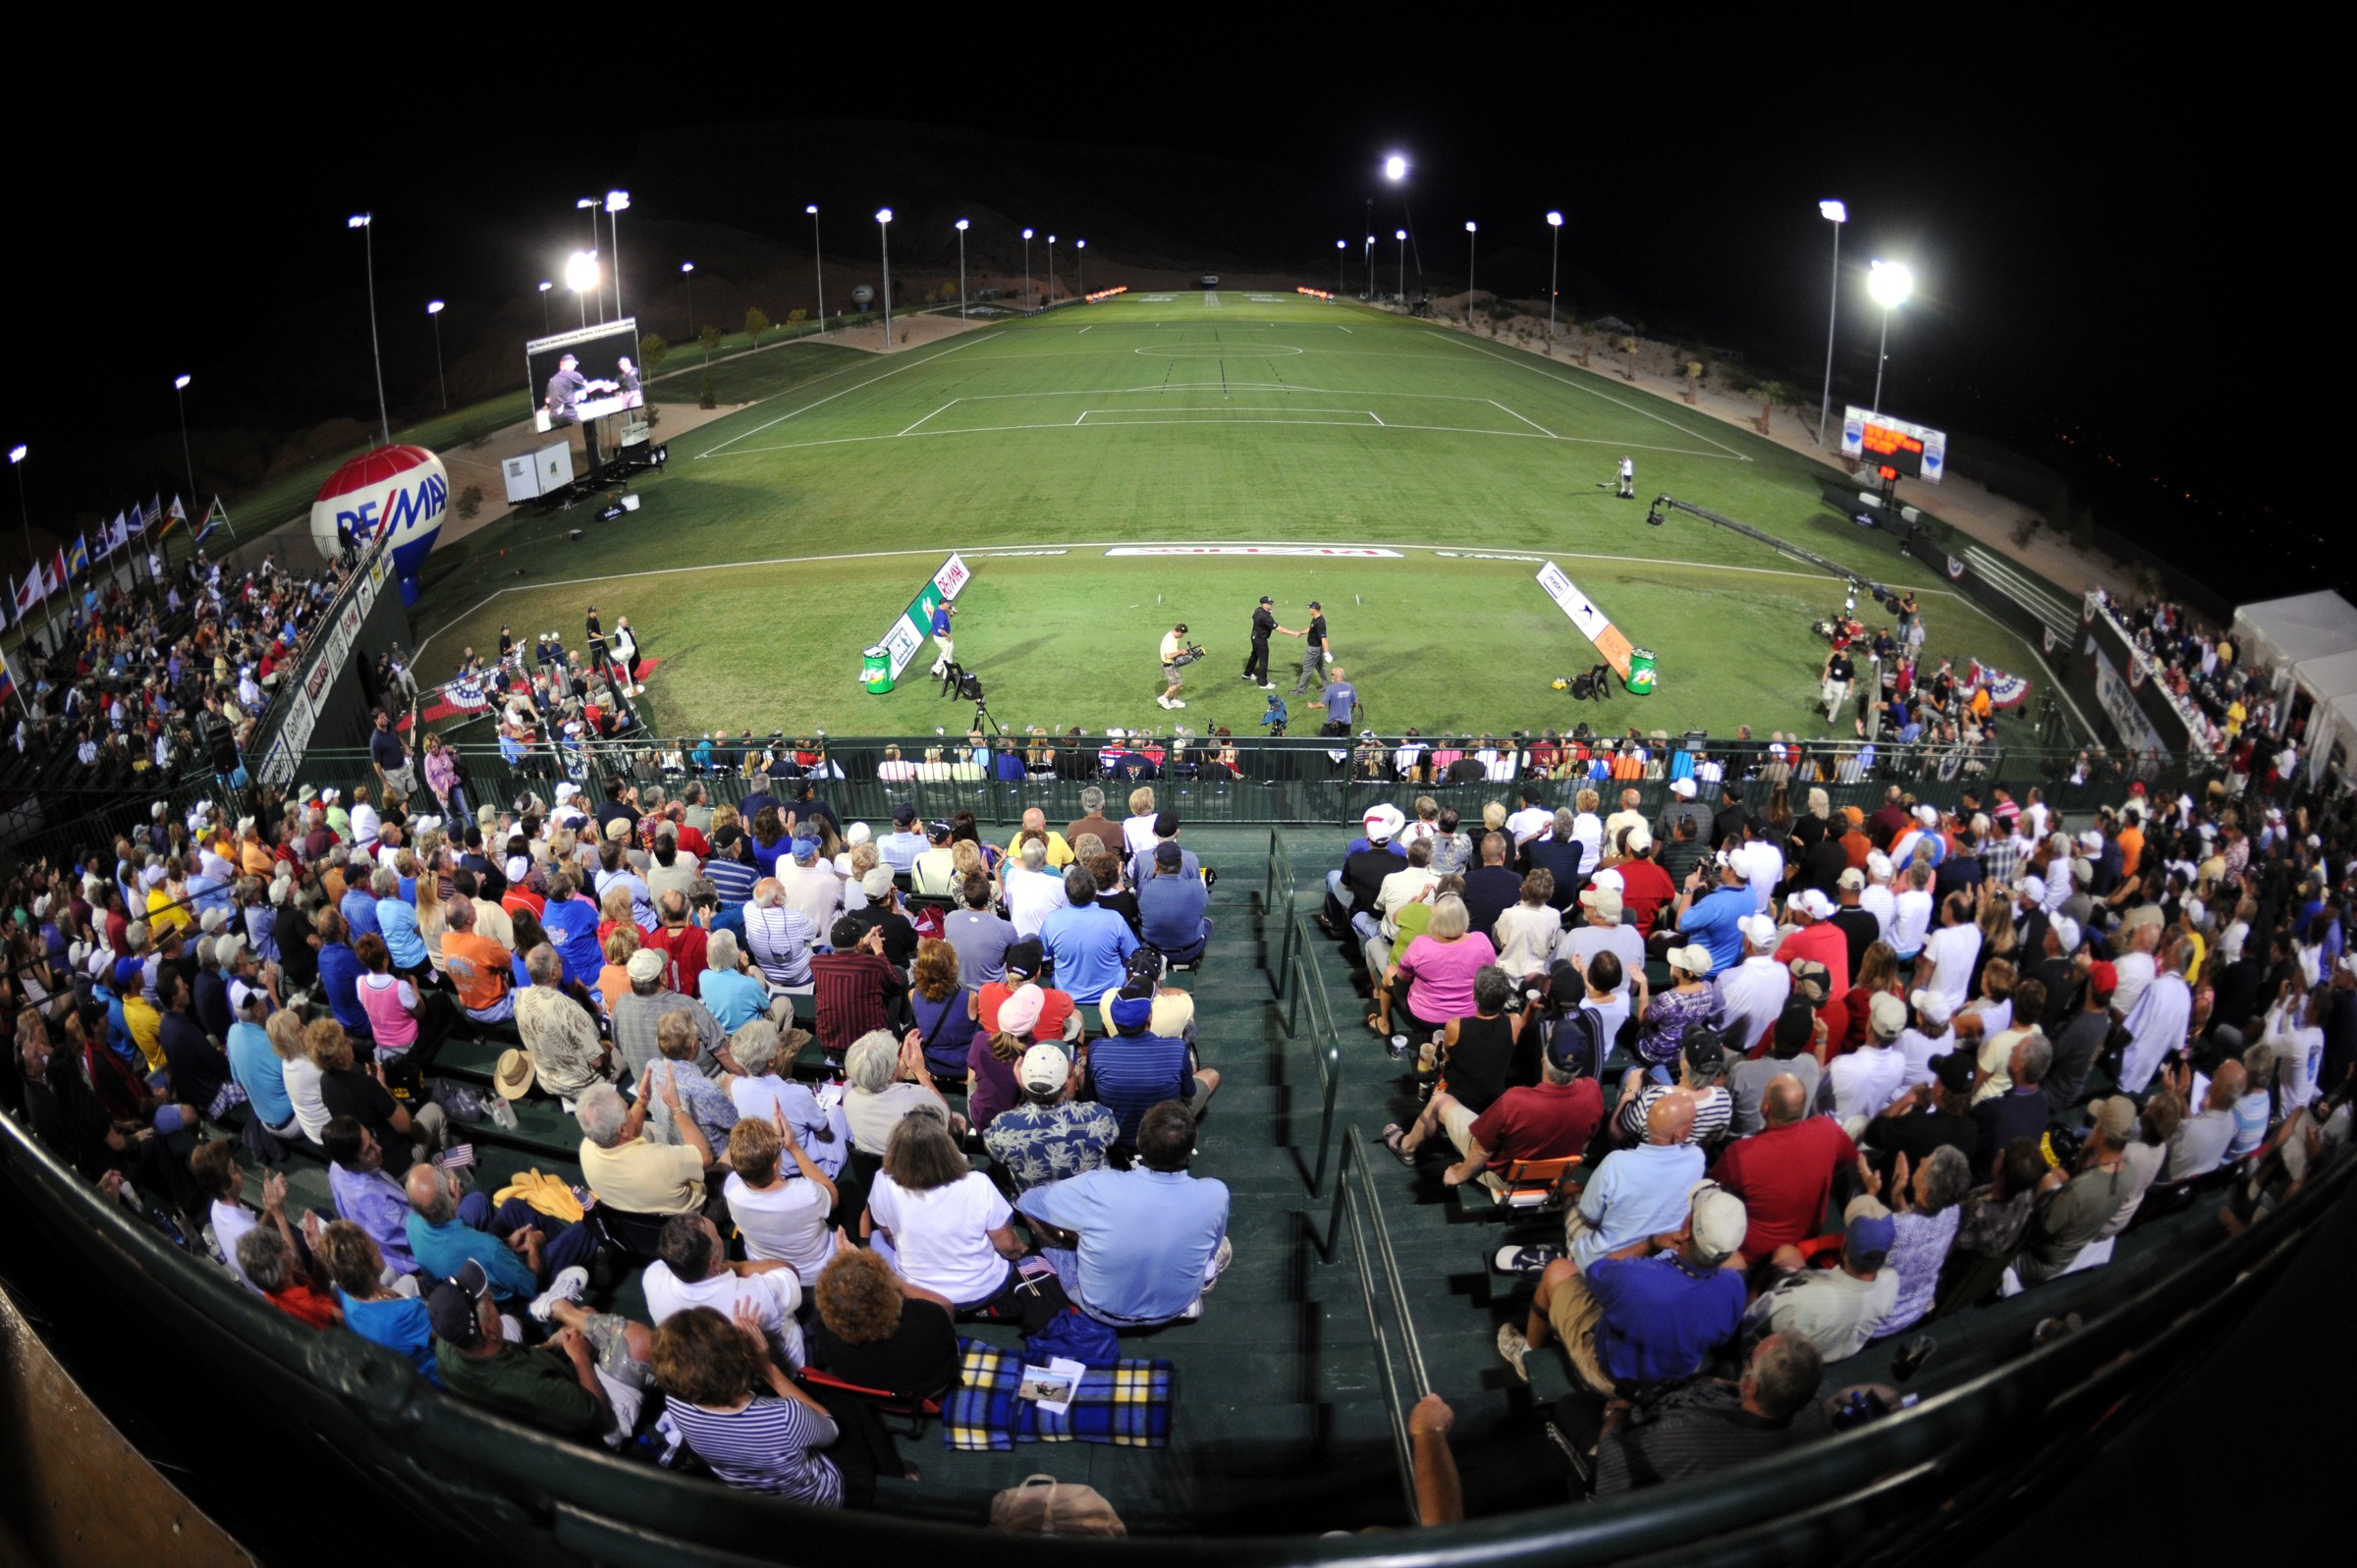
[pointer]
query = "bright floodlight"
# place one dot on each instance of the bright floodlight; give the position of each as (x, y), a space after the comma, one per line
(812, 209)
(1394, 167)
(1554, 220)
(433, 307)
(180, 383)
(545, 285)
(1889, 282)
(1027, 234)
(581, 272)
(359, 220)
(1051, 239)
(1469, 225)
(883, 215)
(1833, 210)
(1080, 244)
(1400, 234)
(16, 454)
(1370, 239)
(685, 266)
(1341, 244)
(585, 203)
(963, 225)
(617, 200)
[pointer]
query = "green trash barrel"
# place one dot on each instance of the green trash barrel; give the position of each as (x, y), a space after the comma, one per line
(1640, 672)
(876, 669)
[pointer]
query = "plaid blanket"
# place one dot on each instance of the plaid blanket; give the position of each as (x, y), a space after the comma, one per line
(1127, 1404)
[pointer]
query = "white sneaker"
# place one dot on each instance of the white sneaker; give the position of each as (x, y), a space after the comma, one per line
(1268, 686)
(567, 1286)
(1176, 702)
(1165, 701)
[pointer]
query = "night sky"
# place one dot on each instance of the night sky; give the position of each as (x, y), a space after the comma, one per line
(2083, 241)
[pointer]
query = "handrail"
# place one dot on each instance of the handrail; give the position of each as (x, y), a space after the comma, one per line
(1354, 1157)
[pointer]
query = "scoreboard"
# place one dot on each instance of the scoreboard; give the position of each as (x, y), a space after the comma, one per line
(1893, 448)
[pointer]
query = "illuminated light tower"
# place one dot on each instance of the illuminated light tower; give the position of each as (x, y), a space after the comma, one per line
(16, 460)
(1836, 214)
(1889, 282)
(433, 313)
(1026, 270)
(364, 222)
(179, 394)
(1341, 248)
(883, 240)
(588, 204)
(1471, 236)
(1401, 235)
(818, 263)
(1554, 251)
(582, 275)
(618, 202)
(545, 286)
(1394, 169)
(687, 271)
(1081, 245)
(963, 226)
(1051, 269)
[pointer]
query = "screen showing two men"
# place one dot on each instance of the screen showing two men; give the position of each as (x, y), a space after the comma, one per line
(577, 376)
(1893, 449)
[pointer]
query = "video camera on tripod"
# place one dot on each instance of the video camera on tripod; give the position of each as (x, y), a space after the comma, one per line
(1593, 686)
(958, 682)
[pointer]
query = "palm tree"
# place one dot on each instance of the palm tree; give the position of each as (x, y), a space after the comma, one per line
(1693, 379)
(1770, 394)
(1628, 347)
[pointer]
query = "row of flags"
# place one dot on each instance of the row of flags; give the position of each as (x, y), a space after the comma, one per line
(74, 560)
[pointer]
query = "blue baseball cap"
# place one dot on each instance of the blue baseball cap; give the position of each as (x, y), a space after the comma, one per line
(1131, 1013)
(1868, 1238)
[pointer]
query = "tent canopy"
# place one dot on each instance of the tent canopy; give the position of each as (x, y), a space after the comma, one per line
(2284, 633)
(2332, 675)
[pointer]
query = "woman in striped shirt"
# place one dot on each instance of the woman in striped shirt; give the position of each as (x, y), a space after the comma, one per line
(763, 1441)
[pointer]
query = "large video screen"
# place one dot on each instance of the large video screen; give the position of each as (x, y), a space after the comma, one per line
(604, 377)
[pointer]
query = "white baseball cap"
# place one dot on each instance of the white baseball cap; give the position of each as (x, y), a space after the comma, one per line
(1758, 931)
(1815, 904)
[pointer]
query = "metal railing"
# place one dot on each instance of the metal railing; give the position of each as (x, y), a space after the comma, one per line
(1366, 1216)
(1298, 995)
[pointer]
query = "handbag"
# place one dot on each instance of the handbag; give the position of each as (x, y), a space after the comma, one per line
(1045, 1506)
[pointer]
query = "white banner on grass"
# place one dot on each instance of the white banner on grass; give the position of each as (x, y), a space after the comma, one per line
(1365, 552)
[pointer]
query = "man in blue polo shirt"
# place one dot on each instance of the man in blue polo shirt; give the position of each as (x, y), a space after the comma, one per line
(1152, 1238)
(1713, 916)
(1130, 1072)
(899, 847)
(1170, 905)
(1089, 942)
(1637, 1316)
(443, 1235)
(571, 927)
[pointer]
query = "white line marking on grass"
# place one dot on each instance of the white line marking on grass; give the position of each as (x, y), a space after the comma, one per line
(1340, 328)
(1083, 329)
(1533, 423)
(1378, 418)
(944, 408)
(845, 391)
(1060, 546)
(1682, 431)
(1102, 424)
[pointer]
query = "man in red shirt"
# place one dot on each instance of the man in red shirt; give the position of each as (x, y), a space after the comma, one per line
(1784, 1172)
(1644, 887)
(1024, 961)
(857, 990)
(1551, 1120)
(682, 943)
(1891, 819)
(1815, 937)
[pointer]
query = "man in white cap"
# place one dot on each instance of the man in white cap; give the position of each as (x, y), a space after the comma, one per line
(1926, 831)
(1682, 804)
(2136, 966)
(1878, 898)
(1927, 1035)
(1752, 994)
(1051, 1135)
(1353, 889)
(1816, 937)
(1860, 1083)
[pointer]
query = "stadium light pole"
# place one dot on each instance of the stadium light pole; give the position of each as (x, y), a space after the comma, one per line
(818, 264)
(1341, 248)
(433, 313)
(16, 460)
(1554, 251)
(1051, 269)
(1399, 235)
(1471, 237)
(1836, 214)
(1394, 169)
(963, 225)
(618, 202)
(1026, 270)
(1081, 245)
(545, 327)
(1369, 257)
(688, 271)
(883, 239)
(1889, 282)
(588, 204)
(580, 276)
(364, 221)
(180, 395)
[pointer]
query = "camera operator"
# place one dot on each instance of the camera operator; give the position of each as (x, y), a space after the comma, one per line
(1174, 649)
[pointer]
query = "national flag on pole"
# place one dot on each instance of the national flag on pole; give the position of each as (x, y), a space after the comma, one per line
(155, 514)
(78, 562)
(8, 679)
(58, 576)
(29, 594)
(119, 537)
(106, 541)
(216, 518)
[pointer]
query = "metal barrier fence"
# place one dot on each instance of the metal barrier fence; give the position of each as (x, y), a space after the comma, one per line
(1397, 1402)
(1297, 994)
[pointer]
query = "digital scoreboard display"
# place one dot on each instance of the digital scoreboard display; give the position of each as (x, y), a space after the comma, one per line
(1893, 448)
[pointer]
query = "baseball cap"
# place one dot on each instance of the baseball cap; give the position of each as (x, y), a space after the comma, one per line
(1928, 815)
(1812, 980)
(877, 883)
(1704, 1052)
(1266, 600)
(2103, 975)
(1131, 1013)
(904, 813)
(1169, 856)
(1870, 1234)
(450, 1305)
(1758, 931)
(1044, 1069)
(1019, 1013)
(1886, 1016)
(214, 920)
(1315, 605)
(2032, 887)
(2114, 1117)
(1815, 904)
(1720, 1219)
(937, 829)
(857, 834)
(1683, 788)
(804, 849)
(1854, 880)
(1878, 865)
(645, 964)
(2066, 932)
(1694, 960)
(1022, 958)
(1954, 1069)
(844, 933)
(1640, 840)
(1605, 901)
(1935, 1008)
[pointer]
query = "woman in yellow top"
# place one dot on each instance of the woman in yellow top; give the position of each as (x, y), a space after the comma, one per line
(168, 909)
(146, 1025)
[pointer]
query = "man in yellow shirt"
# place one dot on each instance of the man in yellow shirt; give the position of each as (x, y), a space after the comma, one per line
(2235, 712)
(145, 1024)
(168, 909)
(1060, 853)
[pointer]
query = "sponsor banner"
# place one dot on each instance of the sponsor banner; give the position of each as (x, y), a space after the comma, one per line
(915, 625)
(1010, 555)
(2046, 636)
(1363, 551)
(1476, 555)
(2136, 731)
(1593, 624)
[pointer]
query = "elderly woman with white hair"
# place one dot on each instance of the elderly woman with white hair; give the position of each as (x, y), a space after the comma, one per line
(764, 1093)
(728, 987)
(886, 1081)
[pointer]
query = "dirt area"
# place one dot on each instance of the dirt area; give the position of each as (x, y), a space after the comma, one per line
(908, 332)
(1974, 509)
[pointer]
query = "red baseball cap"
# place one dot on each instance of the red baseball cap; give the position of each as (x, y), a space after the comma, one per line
(2102, 975)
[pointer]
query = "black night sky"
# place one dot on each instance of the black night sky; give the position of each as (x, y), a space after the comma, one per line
(2081, 233)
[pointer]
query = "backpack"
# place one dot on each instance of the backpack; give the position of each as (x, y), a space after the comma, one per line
(1077, 1336)
(1045, 1506)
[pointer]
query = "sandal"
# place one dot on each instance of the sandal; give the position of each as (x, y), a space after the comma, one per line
(1375, 1024)
(1393, 1135)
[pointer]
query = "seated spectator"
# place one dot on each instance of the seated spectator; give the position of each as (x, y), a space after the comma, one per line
(367, 1195)
(2254, 1112)
(2200, 1141)
(571, 924)
(778, 937)
(631, 1172)
(1669, 1014)
(1924, 1226)
(2074, 1207)
(1638, 1192)
(1033, 891)
(404, 1026)
(692, 1269)
(1817, 937)
(481, 970)
(556, 1031)
(2020, 1112)
(1790, 1053)
(2145, 1151)
(939, 1221)
(1058, 1017)
(1152, 1239)
(1050, 1135)
(638, 1018)
(370, 1308)
(520, 1249)
(730, 989)
(555, 1387)
(1431, 981)
(1088, 944)
(1526, 935)
(1353, 889)
(274, 1266)
(1926, 1037)
(1702, 1079)
(1130, 1072)
(945, 1009)
(879, 1330)
(1835, 1309)
(703, 1102)
(1632, 1316)
(859, 992)
(684, 945)
(781, 1214)
(763, 1091)
(214, 1166)
(885, 1080)
(2081, 1040)
(200, 1070)
(977, 932)
(741, 1415)
(991, 1086)
(1785, 1172)
(1710, 1425)
(347, 1089)
(1171, 907)
(1602, 930)
(1752, 993)
(1925, 1118)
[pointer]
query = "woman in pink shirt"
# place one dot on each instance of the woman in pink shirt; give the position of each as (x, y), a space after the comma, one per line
(1439, 967)
(391, 1002)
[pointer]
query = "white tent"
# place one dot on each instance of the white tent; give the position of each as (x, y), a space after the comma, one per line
(2332, 675)
(2283, 632)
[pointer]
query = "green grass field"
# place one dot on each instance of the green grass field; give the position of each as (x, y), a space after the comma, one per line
(781, 539)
